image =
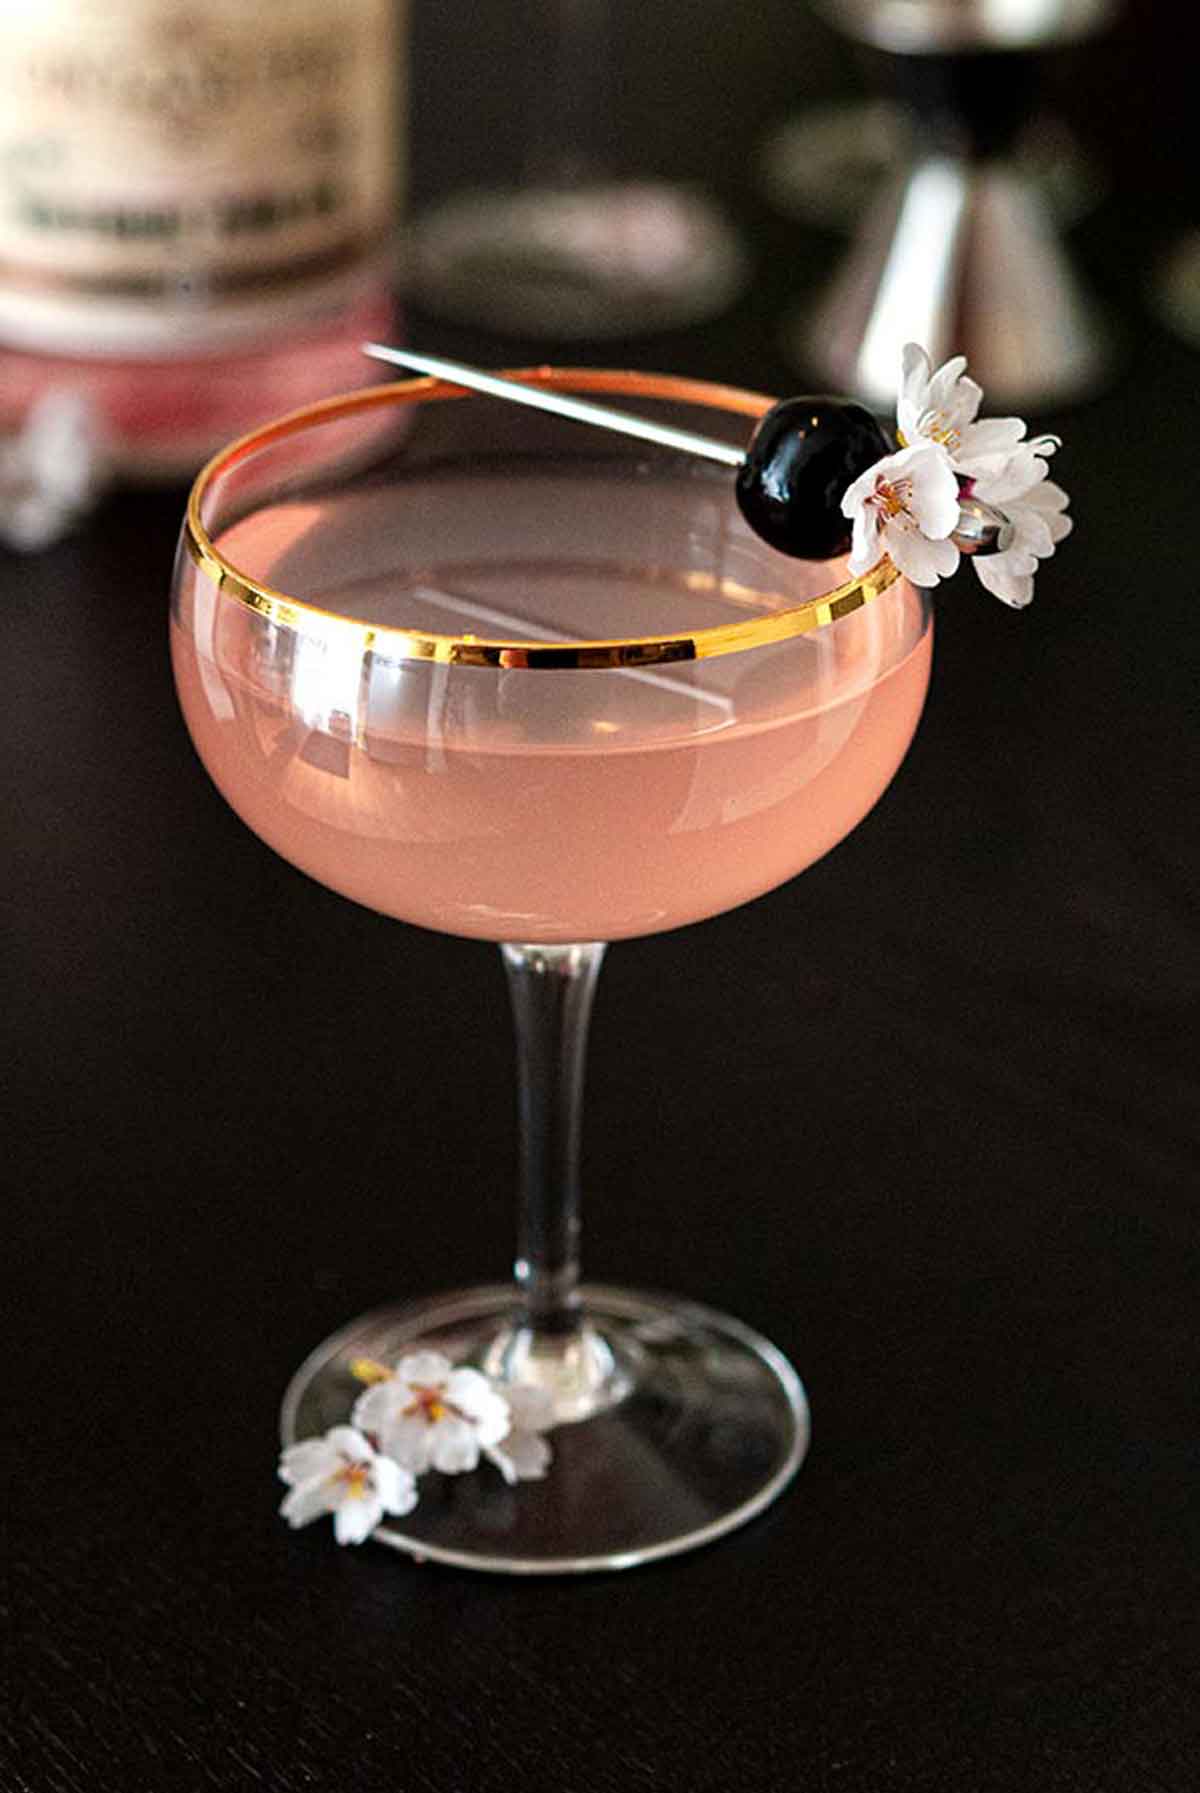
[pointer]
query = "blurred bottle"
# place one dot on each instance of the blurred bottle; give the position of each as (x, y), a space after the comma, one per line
(197, 204)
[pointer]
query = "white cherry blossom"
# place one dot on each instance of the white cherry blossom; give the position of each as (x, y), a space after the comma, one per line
(937, 406)
(523, 1455)
(342, 1474)
(993, 460)
(942, 406)
(1039, 523)
(986, 450)
(905, 506)
(429, 1415)
(1010, 473)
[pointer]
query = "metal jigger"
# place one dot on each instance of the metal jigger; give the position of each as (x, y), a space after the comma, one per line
(960, 252)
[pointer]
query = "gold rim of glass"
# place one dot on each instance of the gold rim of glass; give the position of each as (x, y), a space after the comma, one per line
(397, 643)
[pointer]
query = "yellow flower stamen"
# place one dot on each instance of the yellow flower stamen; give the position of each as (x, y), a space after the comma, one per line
(891, 499)
(369, 1369)
(356, 1477)
(934, 425)
(429, 1402)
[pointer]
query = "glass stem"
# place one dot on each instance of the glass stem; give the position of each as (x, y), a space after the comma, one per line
(551, 989)
(550, 1341)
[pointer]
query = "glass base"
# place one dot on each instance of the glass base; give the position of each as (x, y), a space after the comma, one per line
(600, 259)
(694, 1425)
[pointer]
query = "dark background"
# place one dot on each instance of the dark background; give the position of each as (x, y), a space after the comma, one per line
(928, 1117)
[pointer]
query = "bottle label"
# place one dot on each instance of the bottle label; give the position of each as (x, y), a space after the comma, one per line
(176, 174)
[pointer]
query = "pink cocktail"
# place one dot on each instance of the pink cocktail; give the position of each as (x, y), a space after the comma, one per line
(484, 672)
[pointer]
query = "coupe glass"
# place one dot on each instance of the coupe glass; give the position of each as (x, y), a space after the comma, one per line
(491, 672)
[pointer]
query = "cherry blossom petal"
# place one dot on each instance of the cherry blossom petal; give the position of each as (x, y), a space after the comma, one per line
(1038, 523)
(857, 494)
(531, 1407)
(397, 1489)
(935, 495)
(944, 384)
(903, 500)
(424, 1369)
(926, 468)
(454, 1446)
(374, 1406)
(301, 1462)
(1011, 587)
(521, 1457)
(348, 1440)
(1032, 532)
(346, 1477)
(865, 544)
(406, 1438)
(474, 1396)
(919, 559)
(355, 1520)
(915, 370)
(985, 449)
(1002, 477)
(939, 405)
(306, 1502)
(384, 1409)
(1051, 502)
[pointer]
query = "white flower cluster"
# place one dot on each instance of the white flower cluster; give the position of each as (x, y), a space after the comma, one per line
(423, 1414)
(907, 504)
(52, 472)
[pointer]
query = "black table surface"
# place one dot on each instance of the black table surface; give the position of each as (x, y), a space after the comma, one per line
(927, 1117)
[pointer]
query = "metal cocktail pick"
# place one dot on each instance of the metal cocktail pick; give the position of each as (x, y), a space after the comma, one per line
(981, 527)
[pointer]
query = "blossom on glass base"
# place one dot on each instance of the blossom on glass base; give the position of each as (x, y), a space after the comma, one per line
(523, 1455)
(342, 1474)
(905, 506)
(426, 1414)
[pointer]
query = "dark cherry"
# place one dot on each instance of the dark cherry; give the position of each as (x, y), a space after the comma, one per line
(801, 458)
